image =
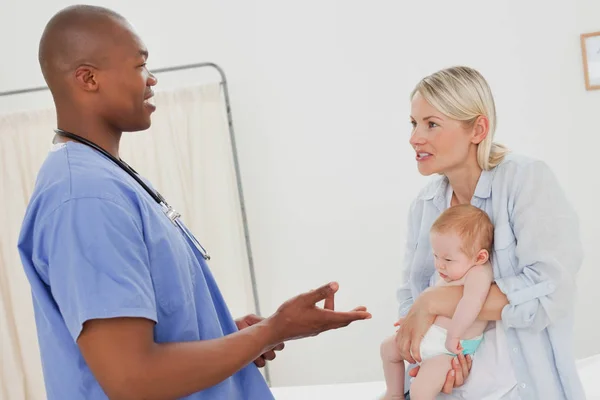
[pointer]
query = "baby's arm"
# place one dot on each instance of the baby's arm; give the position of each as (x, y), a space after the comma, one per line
(476, 287)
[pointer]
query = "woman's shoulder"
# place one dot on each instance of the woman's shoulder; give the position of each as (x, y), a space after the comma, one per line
(515, 165)
(519, 175)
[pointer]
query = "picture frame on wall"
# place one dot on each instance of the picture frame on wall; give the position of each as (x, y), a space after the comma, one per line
(590, 49)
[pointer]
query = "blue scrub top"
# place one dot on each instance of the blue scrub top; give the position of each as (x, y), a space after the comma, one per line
(94, 245)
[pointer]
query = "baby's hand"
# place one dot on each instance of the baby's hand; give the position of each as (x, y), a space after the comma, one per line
(453, 345)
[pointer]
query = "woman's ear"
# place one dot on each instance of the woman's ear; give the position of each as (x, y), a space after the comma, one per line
(482, 257)
(481, 128)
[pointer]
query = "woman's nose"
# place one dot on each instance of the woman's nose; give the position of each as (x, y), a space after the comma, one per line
(416, 138)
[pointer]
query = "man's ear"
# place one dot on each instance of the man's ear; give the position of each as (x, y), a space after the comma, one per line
(86, 77)
(482, 257)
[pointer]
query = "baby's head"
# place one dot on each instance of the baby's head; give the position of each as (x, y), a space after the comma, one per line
(461, 237)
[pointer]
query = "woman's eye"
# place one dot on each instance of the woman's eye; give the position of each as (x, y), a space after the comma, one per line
(432, 124)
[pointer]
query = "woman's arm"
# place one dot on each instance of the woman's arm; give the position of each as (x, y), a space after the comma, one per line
(548, 250)
(404, 293)
(439, 300)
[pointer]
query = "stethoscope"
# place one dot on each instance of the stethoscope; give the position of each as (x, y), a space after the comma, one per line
(167, 209)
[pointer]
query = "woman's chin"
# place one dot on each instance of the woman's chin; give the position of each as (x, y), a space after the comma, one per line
(426, 171)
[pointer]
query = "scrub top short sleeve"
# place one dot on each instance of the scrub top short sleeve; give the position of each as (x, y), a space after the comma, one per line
(99, 263)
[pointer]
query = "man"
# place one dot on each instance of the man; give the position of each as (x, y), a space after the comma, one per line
(125, 305)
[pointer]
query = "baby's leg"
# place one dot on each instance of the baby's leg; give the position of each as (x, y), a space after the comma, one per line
(431, 377)
(393, 369)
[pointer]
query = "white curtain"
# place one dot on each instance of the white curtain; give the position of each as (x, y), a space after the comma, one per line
(187, 156)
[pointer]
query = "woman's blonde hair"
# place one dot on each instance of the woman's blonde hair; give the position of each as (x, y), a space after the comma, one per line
(463, 94)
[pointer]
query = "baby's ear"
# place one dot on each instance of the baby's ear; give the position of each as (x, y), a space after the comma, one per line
(482, 257)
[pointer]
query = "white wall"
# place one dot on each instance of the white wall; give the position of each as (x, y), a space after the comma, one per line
(320, 102)
(584, 141)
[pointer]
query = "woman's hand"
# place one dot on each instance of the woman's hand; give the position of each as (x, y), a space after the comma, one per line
(461, 367)
(412, 330)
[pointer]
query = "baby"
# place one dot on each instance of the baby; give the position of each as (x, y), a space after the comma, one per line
(461, 240)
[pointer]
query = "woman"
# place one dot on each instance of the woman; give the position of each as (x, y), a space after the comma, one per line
(527, 352)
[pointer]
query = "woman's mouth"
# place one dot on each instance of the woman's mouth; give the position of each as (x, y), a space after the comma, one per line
(423, 156)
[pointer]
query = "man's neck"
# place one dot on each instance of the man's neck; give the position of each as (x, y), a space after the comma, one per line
(95, 131)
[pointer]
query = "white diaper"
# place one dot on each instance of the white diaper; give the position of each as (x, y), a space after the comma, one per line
(434, 343)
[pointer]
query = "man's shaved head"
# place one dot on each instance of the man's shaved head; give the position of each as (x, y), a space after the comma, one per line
(78, 35)
(95, 66)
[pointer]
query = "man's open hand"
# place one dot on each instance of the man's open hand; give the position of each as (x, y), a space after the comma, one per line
(300, 316)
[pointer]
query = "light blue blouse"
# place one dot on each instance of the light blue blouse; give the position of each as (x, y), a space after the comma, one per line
(537, 253)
